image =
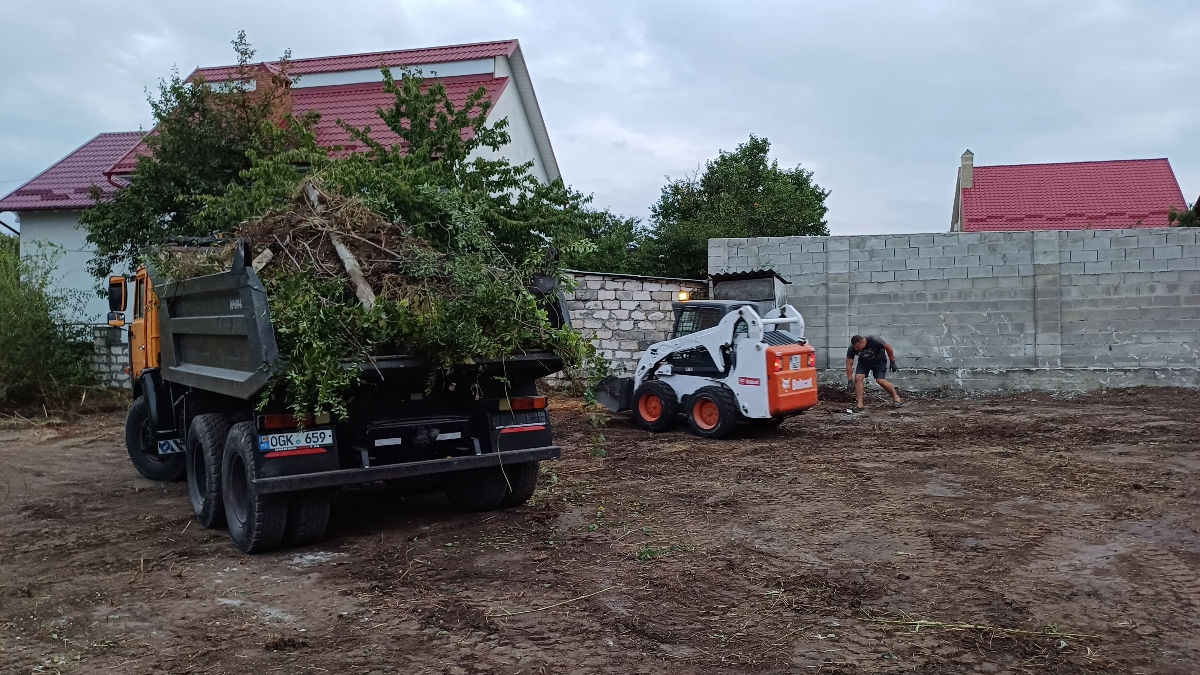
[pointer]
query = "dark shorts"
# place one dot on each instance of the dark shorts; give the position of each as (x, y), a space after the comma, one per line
(878, 370)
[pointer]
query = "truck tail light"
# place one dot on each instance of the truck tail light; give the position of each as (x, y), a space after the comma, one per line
(524, 403)
(778, 362)
(812, 360)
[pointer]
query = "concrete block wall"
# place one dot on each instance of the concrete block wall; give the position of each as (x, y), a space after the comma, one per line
(110, 358)
(998, 309)
(625, 314)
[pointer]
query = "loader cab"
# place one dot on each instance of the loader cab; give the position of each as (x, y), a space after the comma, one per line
(697, 315)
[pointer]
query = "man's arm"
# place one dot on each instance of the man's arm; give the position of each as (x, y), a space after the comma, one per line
(887, 347)
(849, 369)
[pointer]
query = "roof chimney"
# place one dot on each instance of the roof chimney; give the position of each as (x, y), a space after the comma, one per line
(966, 174)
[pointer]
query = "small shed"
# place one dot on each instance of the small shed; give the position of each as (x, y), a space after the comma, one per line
(764, 287)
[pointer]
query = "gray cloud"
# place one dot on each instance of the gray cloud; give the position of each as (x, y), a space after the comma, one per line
(877, 98)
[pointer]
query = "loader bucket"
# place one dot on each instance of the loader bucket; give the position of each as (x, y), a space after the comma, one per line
(615, 393)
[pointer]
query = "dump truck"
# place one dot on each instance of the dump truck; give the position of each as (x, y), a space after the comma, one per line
(202, 355)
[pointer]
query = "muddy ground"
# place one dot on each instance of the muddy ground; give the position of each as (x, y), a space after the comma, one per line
(1065, 532)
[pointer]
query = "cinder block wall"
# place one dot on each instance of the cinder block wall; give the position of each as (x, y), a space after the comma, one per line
(1065, 309)
(625, 314)
(110, 358)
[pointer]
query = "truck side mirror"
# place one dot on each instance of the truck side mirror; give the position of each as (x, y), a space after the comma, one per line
(116, 319)
(116, 296)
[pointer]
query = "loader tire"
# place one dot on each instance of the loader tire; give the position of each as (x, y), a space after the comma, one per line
(522, 481)
(257, 522)
(142, 448)
(655, 406)
(307, 517)
(712, 412)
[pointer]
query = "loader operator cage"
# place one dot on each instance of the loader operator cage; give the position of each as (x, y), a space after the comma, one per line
(698, 315)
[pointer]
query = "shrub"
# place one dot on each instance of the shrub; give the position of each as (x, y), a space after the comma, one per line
(44, 354)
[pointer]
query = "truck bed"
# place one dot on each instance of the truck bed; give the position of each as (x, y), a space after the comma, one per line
(217, 336)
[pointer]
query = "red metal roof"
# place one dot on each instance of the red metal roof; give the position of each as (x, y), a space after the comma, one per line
(67, 184)
(1071, 196)
(356, 104)
(376, 60)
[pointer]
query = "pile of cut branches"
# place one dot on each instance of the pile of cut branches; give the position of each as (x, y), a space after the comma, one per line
(344, 282)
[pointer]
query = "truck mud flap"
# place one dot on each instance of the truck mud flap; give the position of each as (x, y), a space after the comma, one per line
(404, 470)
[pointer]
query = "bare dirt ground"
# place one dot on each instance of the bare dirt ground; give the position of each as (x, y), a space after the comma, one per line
(1066, 531)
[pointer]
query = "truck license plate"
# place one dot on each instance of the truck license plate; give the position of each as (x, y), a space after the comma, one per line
(312, 438)
(794, 364)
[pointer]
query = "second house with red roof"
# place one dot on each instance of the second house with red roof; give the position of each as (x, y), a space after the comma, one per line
(1068, 196)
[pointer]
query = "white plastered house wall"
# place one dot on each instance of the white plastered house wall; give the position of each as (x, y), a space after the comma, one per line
(60, 230)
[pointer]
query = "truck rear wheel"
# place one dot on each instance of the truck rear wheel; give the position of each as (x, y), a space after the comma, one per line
(142, 448)
(205, 445)
(655, 406)
(712, 412)
(522, 481)
(477, 489)
(257, 522)
(307, 517)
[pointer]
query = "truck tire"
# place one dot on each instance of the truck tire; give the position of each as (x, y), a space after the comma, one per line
(655, 406)
(522, 481)
(205, 445)
(307, 517)
(712, 412)
(477, 489)
(143, 451)
(257, 522)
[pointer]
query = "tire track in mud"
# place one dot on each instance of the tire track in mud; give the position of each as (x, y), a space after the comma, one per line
(1176, 581)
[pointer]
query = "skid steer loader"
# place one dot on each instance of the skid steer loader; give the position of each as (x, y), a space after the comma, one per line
(724, 364)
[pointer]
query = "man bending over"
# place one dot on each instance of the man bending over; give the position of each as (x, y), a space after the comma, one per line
(874, 357)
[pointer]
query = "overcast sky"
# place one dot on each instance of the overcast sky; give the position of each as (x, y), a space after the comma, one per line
(879, 99)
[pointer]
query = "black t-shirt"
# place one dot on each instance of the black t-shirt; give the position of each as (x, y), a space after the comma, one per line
(873, 352)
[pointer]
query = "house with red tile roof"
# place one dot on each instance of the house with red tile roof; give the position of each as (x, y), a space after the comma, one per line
(347, 87)
(1068, 196)
(49, 205)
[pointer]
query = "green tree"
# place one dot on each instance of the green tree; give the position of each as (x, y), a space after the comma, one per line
(205, 137)
(742, 193)
(615, 244)
(1186, 217)
(438, 179)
